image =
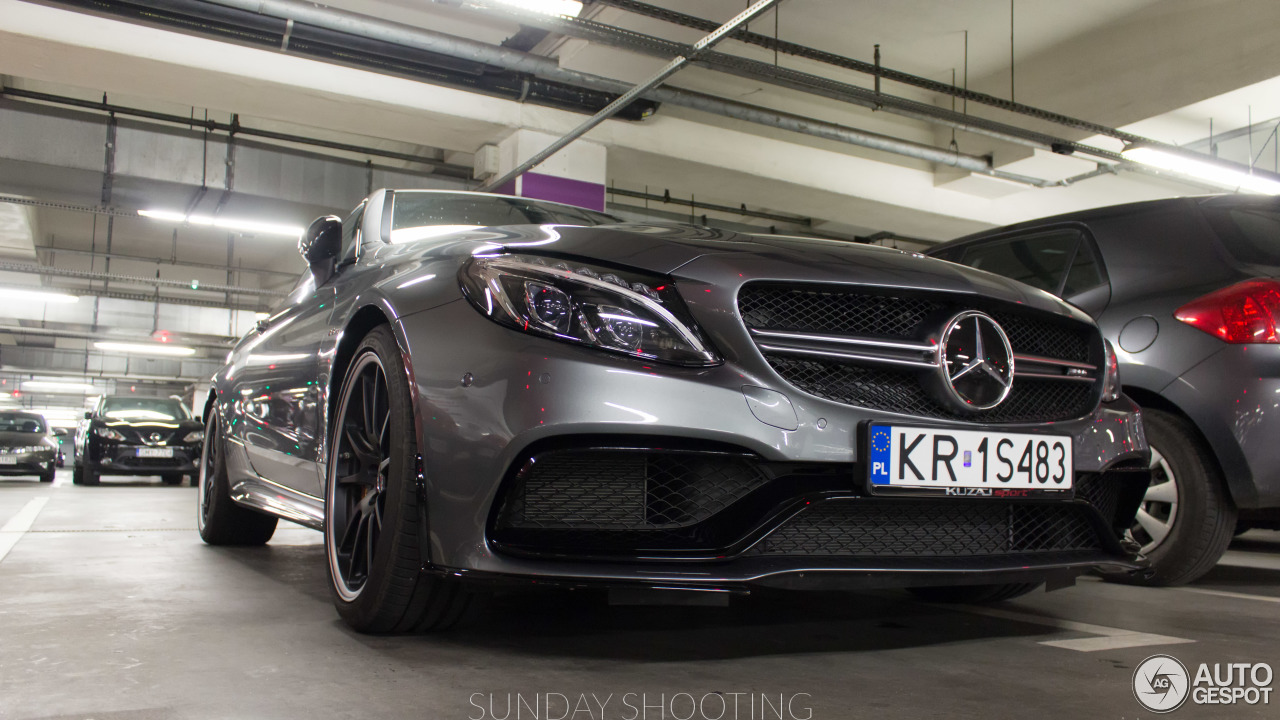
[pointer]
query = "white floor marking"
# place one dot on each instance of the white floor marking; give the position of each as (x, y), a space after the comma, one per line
(57, 481)
(1227, 593)
(19, 524)
(1236, 558)
(1109, 638)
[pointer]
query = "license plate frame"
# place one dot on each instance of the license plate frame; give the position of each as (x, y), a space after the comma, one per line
(879, 480)
(8, 459)
(155, 452)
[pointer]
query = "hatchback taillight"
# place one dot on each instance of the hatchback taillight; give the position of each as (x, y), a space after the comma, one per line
(1247, 312)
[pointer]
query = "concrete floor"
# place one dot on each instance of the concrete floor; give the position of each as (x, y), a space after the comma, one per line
(111, 608)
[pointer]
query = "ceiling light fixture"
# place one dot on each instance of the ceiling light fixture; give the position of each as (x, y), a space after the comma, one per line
(145, 348)
(55, 386)
(245, 226)
(1207, 170)
(571, 8)
(18, 293)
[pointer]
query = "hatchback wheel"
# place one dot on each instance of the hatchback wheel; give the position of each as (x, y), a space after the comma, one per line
(374, 530)
(220, 520)
(1186, 519)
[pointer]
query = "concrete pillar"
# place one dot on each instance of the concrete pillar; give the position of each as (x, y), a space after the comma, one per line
(574, 176)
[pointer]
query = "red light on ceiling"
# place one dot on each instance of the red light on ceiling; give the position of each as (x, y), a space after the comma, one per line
(133, 388)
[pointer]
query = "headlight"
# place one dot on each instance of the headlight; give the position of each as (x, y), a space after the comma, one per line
(1111, 378)
(194, 436)
(610, 310)
(108, 433)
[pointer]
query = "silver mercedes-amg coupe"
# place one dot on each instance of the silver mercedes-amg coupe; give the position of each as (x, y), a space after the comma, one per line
(467, 389)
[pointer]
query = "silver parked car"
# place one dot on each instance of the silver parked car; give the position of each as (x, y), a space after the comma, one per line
(466, 389)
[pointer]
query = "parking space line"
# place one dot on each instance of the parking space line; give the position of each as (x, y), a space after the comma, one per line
(1109, 638)
(19, 524)
(1227, 593)
(59, 480)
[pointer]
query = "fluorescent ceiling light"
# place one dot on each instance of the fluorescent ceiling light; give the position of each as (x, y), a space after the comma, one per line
(572, 8)
(145, 348)
(246, 226)
(1207, 170)
(38, 295)
(55, 386)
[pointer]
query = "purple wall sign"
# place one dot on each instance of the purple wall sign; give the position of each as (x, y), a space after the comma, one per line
(580, 193)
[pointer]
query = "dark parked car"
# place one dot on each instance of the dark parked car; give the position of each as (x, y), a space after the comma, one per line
(1187, 290)
(26, 445)
(466, 389)
(132, 435)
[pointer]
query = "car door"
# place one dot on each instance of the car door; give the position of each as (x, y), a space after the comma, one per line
(277, 382)
(1063, 261)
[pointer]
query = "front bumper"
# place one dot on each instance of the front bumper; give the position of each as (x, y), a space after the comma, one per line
(528, 393)
(28, 463)
(118, 458)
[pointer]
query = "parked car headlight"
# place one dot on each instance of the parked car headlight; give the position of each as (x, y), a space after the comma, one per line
(194, 436)
(572, 302)
(1111, 378)
(108, 433)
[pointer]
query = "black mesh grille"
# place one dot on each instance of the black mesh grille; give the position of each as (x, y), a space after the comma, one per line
(1031, 337)
(629, 491)
(827, 311)
(900, 391)
(858, 312)
(880, 528)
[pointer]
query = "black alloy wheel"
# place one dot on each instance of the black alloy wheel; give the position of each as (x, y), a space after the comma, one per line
(375, 520)
(362, 462)
(219, 519)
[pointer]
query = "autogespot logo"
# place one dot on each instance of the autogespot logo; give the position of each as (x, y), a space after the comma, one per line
(1161, 683)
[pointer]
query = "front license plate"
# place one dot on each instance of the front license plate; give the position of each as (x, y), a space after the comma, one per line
(8, 460)
(917, 460)
(155, 452)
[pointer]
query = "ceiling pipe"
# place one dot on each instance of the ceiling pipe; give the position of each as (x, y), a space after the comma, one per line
(103, 337)
(625, 99)
(436, 165)
(55, 251)
(47, 271)
(879, 71)
(463, 48)
(804, 82)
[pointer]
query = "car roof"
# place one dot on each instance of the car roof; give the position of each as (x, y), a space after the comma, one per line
(1219, 201)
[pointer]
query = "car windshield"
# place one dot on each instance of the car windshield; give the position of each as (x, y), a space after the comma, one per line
(15, 422)
(142, 408)
(422, 215)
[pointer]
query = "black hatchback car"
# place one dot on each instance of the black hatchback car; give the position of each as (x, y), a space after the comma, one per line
(1188, 292)
(26, 445)
(131, 435)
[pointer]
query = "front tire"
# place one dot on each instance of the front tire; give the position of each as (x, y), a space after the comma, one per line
(1187, 518)
(47, 477)
(81, 475)
(373, 530)
(973, 594)
(220, 520)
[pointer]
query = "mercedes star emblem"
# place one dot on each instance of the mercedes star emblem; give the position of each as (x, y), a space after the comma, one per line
(976, 361)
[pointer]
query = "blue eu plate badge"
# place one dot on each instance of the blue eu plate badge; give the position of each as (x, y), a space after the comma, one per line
(881, 447)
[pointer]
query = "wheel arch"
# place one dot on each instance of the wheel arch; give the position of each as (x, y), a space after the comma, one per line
(370, 315)
(1237, 489)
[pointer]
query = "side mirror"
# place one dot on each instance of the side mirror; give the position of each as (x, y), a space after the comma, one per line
(320, 246)
(88, 414)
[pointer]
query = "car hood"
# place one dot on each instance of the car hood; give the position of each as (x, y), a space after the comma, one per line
(20, 439)
(727, 259)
